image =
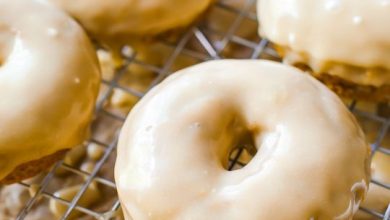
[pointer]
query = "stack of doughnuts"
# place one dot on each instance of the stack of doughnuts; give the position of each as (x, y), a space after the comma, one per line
(308, 158)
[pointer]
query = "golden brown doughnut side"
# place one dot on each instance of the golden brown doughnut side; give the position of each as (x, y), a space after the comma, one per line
(32, 168)
(348, 89)
(335, 76)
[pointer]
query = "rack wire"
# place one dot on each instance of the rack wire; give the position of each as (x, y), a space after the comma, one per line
(211, 44)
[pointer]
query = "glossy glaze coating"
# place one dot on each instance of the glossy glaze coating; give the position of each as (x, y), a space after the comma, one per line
(312, 158)
(346, 38)
(117, 21)
(49, 79)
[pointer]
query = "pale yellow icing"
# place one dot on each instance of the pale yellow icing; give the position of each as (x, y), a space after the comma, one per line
(323, 33)
(116, 21)
(49, 79)
(311, 161)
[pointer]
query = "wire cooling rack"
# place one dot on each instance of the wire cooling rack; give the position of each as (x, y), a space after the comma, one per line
(199, 43)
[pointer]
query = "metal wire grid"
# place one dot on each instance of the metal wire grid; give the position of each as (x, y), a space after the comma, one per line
(212, 49)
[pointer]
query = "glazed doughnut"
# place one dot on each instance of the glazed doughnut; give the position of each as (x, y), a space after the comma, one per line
(116, 22)
(49, 80)
(345, 43)
(174, 147)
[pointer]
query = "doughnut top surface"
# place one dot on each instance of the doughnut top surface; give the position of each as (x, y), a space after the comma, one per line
(311, 160)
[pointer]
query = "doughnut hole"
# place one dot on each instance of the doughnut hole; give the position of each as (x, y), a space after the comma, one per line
(212, 120)
(244, 152)
(239, 158)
